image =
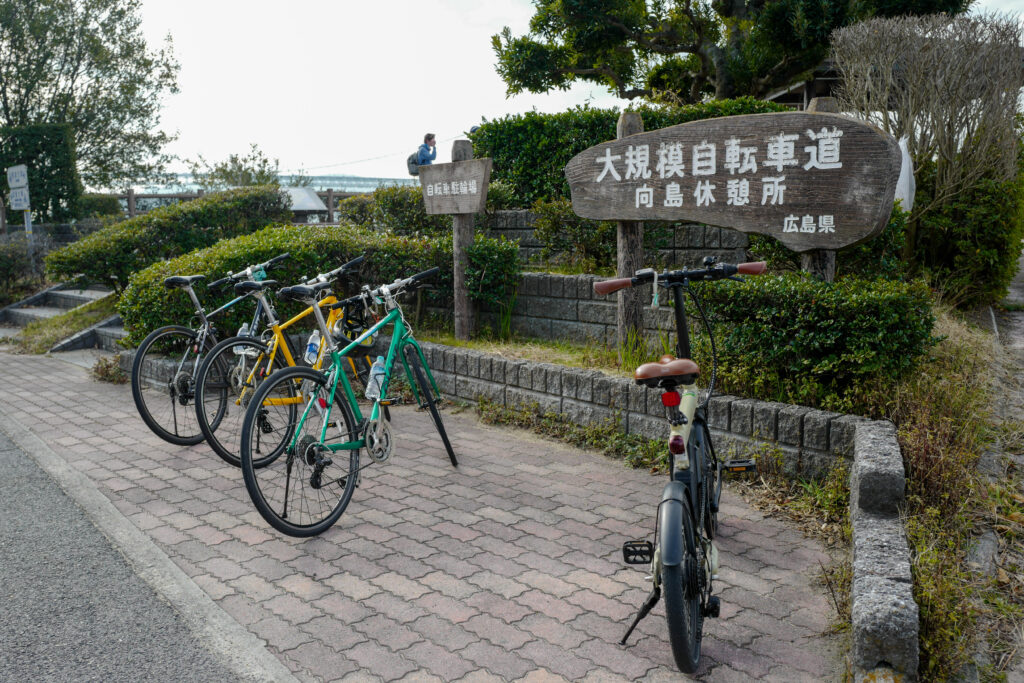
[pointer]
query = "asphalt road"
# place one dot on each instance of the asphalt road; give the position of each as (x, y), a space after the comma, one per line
(71, 607)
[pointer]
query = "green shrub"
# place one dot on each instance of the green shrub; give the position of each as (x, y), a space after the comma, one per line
(111, 255)
(796, 339)
(147, 304)
(501, 196)
(98, 205)
(567, 239)
(970, 246)
(531, 150)
(586, 245)
(357, 210)
(493, 271)
(400, 209)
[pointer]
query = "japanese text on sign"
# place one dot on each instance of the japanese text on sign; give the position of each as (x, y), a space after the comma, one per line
(761, 172)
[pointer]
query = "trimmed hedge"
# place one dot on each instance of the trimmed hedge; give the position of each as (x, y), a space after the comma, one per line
(147, 304)
(110, 256)
(797, 339)
(401, 210)
(531, 150)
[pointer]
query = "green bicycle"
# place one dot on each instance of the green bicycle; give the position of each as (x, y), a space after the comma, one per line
(304, 430)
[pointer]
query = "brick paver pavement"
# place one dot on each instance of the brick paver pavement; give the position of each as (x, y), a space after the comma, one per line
(507, 568)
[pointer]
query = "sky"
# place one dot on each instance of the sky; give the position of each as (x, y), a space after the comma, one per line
(345, 87)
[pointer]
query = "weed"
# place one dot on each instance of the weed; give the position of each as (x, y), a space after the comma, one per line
(505, 317)
(108, 369)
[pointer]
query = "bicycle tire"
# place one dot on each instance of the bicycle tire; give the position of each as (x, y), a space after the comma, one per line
(682, 587)
(161, 392)
(219, 385)
(291, 501)
(427, 399)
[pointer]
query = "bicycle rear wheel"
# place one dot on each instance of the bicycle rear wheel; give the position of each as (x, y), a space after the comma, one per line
(226, 382)
(428, 400)
(683, 586)
(163, 383)
(301, 488)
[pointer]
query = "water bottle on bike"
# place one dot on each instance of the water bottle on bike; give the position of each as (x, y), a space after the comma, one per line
(376, 379)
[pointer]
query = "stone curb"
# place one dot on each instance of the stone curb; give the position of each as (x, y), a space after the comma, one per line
(884, 614)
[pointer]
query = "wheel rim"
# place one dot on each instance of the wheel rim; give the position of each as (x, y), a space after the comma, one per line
(307, 490)
(163, 387)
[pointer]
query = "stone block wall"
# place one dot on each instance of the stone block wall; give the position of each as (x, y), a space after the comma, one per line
(806, 442)
(687, 244)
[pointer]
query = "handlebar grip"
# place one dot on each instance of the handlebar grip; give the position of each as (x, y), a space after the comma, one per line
(609, 286)
(353, 263)
(754, 268)
(278, 259)
(425, 274)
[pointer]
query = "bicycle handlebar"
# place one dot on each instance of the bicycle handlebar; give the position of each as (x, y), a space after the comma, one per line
(718, 271)
(394, 289)
(235, 277)
(324, 277)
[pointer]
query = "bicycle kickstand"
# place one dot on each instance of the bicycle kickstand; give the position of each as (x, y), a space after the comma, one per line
(645, 609)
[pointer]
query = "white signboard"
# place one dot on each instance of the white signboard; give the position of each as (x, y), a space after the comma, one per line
(17, 176)
(19, 199)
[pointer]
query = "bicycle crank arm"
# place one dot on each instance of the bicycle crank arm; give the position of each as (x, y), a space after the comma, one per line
(645, 609)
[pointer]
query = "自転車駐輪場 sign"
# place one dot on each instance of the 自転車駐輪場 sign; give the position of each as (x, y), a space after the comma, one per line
(811, 180)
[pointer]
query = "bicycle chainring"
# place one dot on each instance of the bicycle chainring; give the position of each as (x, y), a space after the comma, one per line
(378, 446)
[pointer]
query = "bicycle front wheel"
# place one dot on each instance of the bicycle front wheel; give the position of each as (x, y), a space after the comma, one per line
(428, 400)
(163, 383)
(298, 485)
(682, 586)
(225, 384)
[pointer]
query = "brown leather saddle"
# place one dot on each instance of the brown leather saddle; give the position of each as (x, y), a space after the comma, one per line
(667, 372)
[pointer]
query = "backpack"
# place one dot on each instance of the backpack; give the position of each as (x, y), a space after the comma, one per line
(413, 162)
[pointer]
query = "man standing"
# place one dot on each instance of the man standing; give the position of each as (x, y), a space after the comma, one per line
(428, 150)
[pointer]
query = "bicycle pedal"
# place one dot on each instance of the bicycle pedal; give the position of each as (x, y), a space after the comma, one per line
(713, 608)
(637, 552)
(738, 466)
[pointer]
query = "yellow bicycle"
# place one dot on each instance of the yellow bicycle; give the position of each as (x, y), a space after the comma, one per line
(235, 367)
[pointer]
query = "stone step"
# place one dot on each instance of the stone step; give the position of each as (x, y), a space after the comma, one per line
(107, 338)
(29, 314)
(72, 298)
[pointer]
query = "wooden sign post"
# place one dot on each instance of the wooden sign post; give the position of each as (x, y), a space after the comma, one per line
(458, 188)
(630, 253)
(812, 180)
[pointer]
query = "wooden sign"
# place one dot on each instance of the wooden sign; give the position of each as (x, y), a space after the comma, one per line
(811, 180)
(458, 187)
